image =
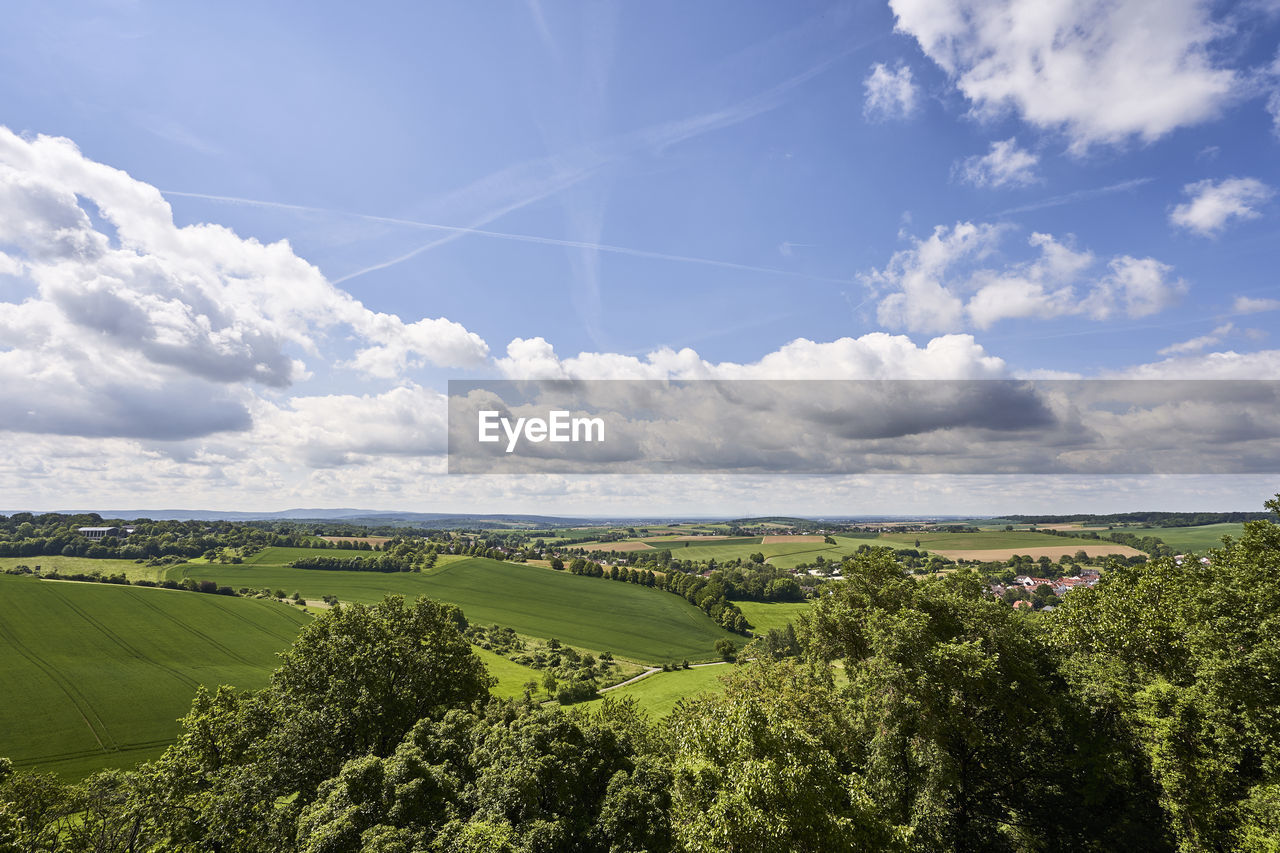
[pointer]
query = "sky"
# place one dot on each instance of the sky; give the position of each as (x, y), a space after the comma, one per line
(244, 246)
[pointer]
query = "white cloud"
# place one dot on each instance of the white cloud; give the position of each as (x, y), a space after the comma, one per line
(889, 94)
(1102, 70)
(133, 326)
(941, 283)
(1005, 165)
(1264, 364)
(1136, 287)
(1199, 343)
(1252, 305)
(873, 356)
(1213, 205)
(345, 429)
(922, 301)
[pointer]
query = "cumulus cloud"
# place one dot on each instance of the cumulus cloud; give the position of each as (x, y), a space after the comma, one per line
(404, 421)
(873, 356)
(944, 282)
(1252, 305)
(889, 94)
(1214, 205)
(132, 326)
(1136, 287)
(1005, 165)
(1103, 71)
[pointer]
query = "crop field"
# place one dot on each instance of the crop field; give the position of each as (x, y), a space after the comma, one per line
(1193, 539)
(84, 565)
(660, 692)
(97, 675)
(630, 621)
(372, 540)
(783, 551)
(764, 615)
(1003, 544)
(629, 546)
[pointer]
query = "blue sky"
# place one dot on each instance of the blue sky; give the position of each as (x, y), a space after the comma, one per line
(918, 188)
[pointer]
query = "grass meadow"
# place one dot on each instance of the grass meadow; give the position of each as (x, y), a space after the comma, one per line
(97, 675)
(1189, 539)
(660, 692)
(632, 622)
(765, 615)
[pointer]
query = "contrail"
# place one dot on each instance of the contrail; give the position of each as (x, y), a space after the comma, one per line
(1078, 195)
(460, 230)
(657, 137)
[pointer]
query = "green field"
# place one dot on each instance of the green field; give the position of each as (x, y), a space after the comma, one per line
(660, 692)
(693, 545)
(1195, 539)
(764, 615)
(987, 540)
(84, 565)
(511, 675)
(97, 675)
(630, 621)
(785, 554)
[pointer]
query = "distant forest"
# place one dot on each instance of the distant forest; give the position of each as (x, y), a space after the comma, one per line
(1151, 519)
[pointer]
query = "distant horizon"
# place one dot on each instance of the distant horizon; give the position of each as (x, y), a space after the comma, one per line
(296, 514)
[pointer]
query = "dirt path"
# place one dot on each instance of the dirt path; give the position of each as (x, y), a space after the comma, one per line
(648, 672)
(651, 670)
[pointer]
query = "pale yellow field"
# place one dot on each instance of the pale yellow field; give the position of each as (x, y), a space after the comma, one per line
(782, 539)
(1052, 552)
(625, 546)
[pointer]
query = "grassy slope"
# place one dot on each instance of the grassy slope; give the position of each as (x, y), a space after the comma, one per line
(74, 565)
(765, 615)
(660, 692)
(630, 621)
(97, 675)
(1196, 539)
(980, 541)
(511, 675)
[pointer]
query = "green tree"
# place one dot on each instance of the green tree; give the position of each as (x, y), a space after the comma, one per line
(765, 767)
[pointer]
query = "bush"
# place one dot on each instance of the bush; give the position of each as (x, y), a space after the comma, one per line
(575, 691)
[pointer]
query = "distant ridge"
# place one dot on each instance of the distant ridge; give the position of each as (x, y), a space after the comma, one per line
(348, 515)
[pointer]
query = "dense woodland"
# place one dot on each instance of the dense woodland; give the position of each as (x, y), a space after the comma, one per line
(911, 714)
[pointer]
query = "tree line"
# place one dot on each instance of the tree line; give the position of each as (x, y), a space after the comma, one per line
(707, 594)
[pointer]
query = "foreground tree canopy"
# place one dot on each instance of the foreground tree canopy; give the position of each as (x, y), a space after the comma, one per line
(902, 714)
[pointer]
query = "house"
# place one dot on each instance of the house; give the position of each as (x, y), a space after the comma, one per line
(96, 532)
